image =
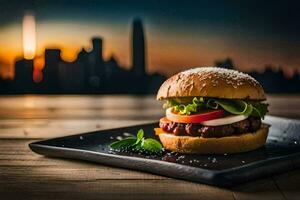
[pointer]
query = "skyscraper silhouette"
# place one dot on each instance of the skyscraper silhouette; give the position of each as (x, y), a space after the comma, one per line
(52, 60)
(96, 68)
(23, 76)
(97, 48)
(138, 49)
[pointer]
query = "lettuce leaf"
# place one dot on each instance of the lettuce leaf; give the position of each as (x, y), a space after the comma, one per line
(234, 107)
(259, 109)
(237, 107)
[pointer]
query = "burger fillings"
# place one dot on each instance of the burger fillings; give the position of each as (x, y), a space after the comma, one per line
(213, 116)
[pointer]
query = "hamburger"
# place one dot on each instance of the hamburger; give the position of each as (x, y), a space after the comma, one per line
(211, 110)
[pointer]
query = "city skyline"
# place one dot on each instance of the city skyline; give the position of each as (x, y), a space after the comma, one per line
(178, 37)
(89, 73)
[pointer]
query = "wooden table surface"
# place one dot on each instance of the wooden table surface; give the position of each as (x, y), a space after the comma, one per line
(26, 175)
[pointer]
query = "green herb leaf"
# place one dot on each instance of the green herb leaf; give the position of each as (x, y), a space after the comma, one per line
(139, 136)
(151, 144)
(138, 142)
(127, 142)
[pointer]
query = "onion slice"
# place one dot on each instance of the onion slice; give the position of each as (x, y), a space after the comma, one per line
(225, 120)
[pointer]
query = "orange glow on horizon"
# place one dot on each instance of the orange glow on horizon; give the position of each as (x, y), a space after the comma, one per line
(29, 36)
(39, 62)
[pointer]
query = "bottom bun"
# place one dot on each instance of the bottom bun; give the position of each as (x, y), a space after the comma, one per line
(231, 144)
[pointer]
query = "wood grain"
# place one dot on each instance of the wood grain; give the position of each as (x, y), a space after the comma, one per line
(288, 184)
(25, 175)
(260, 189)
(112, 189)
(50, 128)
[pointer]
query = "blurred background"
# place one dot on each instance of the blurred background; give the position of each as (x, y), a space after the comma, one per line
(131, 46)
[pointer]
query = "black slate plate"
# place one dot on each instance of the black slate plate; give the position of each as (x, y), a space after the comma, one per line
(281, 153)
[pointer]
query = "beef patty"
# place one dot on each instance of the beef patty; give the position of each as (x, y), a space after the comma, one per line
(251, 124)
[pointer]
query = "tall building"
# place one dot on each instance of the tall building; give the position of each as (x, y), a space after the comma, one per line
(97, 48)
(23, 81)
(138, 49)
(95, 66)
(52, 60)
(96, 56)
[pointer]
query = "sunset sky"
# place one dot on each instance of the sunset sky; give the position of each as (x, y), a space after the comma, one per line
(178, 35)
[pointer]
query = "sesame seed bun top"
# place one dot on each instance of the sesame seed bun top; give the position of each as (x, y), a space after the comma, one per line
(212, 82)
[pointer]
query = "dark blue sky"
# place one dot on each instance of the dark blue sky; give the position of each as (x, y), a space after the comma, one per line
(279, 17)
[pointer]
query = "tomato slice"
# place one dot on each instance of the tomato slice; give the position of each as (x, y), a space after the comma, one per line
(195, 118)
